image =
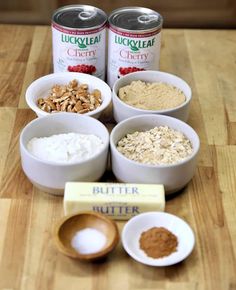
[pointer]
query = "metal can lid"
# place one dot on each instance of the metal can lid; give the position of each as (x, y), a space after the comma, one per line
(79, 16)
(135, 18)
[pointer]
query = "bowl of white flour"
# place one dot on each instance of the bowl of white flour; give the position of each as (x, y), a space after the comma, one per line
(63, 147)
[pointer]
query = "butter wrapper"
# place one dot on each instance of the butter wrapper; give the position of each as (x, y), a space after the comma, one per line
(119, 201)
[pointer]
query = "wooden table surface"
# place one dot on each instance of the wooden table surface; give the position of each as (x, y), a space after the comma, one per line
(206, 59)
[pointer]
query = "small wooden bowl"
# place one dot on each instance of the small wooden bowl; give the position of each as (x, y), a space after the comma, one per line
(69, 225)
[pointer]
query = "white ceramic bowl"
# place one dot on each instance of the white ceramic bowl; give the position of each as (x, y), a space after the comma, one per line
(135, 226)
(51, 176)
(122, 111)
(41, 87)
(172, 176)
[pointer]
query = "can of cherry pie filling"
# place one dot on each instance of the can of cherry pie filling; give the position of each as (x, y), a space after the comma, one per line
(134, 41)
(79, 39)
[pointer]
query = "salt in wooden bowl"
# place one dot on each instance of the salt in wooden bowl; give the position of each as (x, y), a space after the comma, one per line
(68, 226)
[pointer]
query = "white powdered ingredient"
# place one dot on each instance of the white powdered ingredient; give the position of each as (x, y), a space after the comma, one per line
(66, 148)
(88, 241)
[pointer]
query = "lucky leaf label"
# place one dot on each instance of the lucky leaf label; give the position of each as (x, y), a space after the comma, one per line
(134, 48)
(81, 45)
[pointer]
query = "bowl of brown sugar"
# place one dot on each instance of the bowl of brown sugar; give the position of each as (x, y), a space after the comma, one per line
(158, 239)
(151, 92)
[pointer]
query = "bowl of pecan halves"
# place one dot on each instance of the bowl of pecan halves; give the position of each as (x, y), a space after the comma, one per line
(68, 92)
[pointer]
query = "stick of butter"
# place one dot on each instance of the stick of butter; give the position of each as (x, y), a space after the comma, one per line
(119, 201)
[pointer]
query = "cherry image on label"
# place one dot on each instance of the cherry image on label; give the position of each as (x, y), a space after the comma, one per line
(82, 68)
(126, 70)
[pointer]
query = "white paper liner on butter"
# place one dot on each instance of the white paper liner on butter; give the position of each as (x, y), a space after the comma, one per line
(119, 201)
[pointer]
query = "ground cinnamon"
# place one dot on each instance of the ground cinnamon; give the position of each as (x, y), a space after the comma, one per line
(158, 242)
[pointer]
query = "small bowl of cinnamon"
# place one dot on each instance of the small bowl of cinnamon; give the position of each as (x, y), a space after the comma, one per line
(158, 239)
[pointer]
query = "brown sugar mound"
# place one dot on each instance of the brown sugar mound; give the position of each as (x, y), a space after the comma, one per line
(151, 96)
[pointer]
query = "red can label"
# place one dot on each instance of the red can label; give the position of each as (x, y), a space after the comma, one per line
(79, 50)
(130, 52)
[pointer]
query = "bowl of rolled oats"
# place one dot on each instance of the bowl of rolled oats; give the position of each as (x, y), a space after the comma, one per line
(154, 149)
(151, 92)
(68, 92)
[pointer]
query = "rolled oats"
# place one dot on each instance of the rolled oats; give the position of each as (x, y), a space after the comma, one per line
(70, 98)
(160, 145)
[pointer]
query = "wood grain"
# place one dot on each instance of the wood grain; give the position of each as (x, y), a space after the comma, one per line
(181, 13)
(38, 63)
(28, 258)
